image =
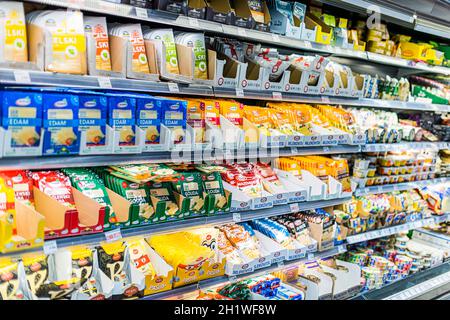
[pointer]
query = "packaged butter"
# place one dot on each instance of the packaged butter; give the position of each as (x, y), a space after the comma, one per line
(233, 111)
(196, 118)
(174, 116)
(133, 34)
(196, 41)
(165, 49)
(64, 40)
(96, 32)
(60, 115)
(13, 33)
(121, 117)
(22, 118)
(149, 118)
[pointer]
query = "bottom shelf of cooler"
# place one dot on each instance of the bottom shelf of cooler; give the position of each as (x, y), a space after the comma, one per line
(425, 285)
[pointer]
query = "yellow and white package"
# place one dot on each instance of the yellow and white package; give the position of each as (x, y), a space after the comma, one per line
(165, 49)
(97, 41)
(61, 34)
(13, 283)
(13, 33)
(138, 255)
(133, 34)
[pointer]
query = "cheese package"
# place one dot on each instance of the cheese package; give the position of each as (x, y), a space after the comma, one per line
(233, 111)
(63, 35)
(7, 203)
(190, 186)
(92, 117)
(133, 34)
(269, 178)
(60, 114)
(174, 117)
(166, 48)
(243, 178)
(22, 119)
(260, 118)
(196, 118)
(162, 192)
(148, 116)
(56, 185)
(241, 239)
(96, 32)
(111, 258)
(138, 255)
(36, 270)
(121, 117)
(13, 33)
(22, 185)
(196, 41)
(212, 112)
(13, 283)
(213, 187)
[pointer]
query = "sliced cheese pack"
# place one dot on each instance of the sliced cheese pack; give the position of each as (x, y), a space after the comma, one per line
(121, 115)
(165, 47)
(196, 41)
(61, 33)
(133, 34)
(148, 116)
(13, 33)
(96, 32)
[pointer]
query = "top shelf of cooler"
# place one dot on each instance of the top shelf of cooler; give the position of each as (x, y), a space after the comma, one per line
(170, 19)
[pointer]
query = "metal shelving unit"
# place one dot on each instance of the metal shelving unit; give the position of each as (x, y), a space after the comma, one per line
(166, 18)
(181, 292)
(404, 146)
(398, 186)
(379, 233)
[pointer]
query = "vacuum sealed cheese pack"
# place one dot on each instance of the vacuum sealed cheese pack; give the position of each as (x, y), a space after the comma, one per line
(122, 118)
(96, 32)
(196, 41)
(61, 33)
(196, 118)
(13, 283)
(60, 114)
(22, 119)
(148, 118)
(165, 48)
(174, 116)
(133, 34)
(13, 33)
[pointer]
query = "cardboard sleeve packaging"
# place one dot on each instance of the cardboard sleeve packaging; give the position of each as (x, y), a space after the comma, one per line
(60, 221)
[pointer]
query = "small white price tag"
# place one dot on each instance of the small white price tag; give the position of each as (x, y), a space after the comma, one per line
(242, 32)
(232, 279)
(294, 207)
(22, 76)
(113, 235)
(50, 247)
(326, 149)
(281, 264)
(275, 37)
(277, 96)
(237, 217)
(366, 190)
(310, 256)
(380, 189)
(141, 13)
(173, 87)
(104, 82)
(294, 150)
(240, 93)
(308, 44)
(193, 22)
(341, 249)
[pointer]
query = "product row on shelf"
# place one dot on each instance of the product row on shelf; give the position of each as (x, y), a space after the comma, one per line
(57, 121)
(307, 22)
(138, 52)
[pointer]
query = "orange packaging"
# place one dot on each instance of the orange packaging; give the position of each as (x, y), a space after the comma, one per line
(233, 111)
(196, 118)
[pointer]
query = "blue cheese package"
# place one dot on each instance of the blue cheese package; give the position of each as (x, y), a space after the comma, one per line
(22, 118)
(174, 117)
(272, 230)
(60, 121)
(148, 117)
(92, 116)
(122, 117)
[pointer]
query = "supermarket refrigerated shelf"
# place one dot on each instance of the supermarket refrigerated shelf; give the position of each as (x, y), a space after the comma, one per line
(179, 293)
(404, 146)
(170, 19)
(399, 186)
(379, 233)
(168, 227)
(413, 286)
(58, 162)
